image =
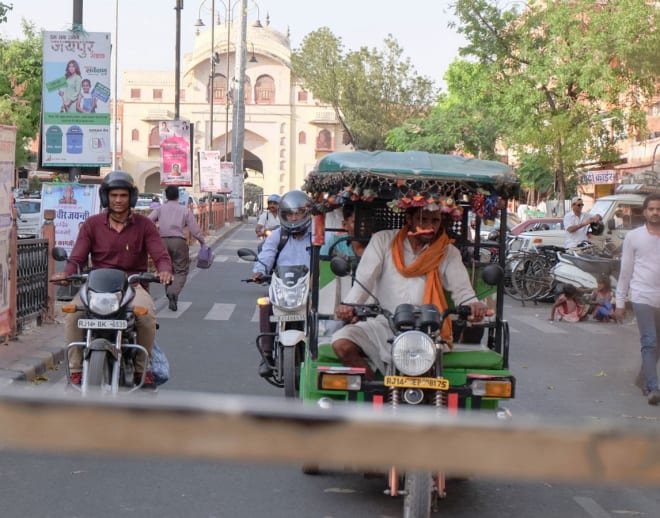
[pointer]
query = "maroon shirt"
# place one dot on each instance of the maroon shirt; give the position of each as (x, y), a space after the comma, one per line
(127, 250)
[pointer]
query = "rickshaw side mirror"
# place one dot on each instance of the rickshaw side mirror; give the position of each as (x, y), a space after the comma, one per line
(246, 254)
(340, 266)
(59, 254)
(492, 274)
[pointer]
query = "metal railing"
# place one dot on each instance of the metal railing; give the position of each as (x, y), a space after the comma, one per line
(31, 280)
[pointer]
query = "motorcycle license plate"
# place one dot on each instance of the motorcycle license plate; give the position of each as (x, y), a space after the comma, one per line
(89, 323)
(288, 318)
(419, 383)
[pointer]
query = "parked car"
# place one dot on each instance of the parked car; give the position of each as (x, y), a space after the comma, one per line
(538, 224)
(29, 223)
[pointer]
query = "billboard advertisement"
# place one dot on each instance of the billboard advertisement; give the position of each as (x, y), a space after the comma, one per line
(73, 203)
(7, 151)
(175, 154)
(76, 99)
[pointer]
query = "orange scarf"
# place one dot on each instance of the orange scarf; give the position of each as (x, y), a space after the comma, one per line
(427, 264)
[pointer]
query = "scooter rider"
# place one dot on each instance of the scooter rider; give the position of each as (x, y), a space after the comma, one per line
(269, 219)
(121, 239)
(288, 245)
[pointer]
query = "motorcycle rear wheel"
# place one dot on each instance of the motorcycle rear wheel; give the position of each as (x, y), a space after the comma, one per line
(99, 369)
(418, 495)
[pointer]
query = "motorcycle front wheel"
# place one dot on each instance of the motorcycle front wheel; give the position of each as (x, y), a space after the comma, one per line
(418, 492)
(99, 369)
(290, 363)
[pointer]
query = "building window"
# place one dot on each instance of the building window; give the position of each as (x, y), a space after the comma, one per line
(282, 153)
(302, 96)
(154, 137)
(157, 94)
(135, 93)
(283, 141)
(264, 90)
(283, 128)
(324, 140)
(302, 138)
(135, 135)
(282, 165)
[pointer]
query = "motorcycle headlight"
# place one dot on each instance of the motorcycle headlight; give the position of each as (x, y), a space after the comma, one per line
(104, 303)
(288, 297)
(413, 353)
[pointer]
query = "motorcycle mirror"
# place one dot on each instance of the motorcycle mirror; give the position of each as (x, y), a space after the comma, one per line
(492, 274)
(246, 254)
(59, 254)
(340, 266)
(597, 228)
(611, 224)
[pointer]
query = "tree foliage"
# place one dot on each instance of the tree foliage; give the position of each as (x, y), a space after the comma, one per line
(568, 79)
(20, 86)
(462, 121)
(371, 90)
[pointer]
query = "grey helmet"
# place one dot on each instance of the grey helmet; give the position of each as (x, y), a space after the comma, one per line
(117, 180)
(294, 202)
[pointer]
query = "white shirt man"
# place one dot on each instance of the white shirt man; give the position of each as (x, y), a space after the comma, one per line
(577, 224)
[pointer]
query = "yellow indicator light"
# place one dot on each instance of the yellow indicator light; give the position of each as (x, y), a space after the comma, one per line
(263, 301)
(498, 389)
(69, 308)
(140, 311)
(340, 382)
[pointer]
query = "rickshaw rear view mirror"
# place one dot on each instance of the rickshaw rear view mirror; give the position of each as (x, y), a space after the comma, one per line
(246, 254)
(59, 254)
(492, 274)
(340, 266)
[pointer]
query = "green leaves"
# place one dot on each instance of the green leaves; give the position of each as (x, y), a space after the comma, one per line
(371, 90)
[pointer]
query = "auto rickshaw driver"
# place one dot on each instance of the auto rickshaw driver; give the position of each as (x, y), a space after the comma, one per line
(412, 265)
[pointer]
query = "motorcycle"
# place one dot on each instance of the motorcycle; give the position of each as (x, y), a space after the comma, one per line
(110, 347)
(288, 291)
(263, 237)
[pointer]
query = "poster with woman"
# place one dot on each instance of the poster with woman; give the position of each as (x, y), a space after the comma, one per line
(175, 156)
(76, 95)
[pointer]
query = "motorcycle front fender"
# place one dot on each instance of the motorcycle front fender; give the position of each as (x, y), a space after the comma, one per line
(102, 344)
(291, 337)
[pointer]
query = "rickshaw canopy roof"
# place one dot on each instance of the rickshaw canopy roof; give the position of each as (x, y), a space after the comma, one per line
(388, 173)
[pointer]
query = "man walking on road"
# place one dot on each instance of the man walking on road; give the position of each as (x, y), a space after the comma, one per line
(173, 218)
(640, 272)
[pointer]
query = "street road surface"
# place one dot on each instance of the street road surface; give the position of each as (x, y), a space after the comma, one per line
(583, 370)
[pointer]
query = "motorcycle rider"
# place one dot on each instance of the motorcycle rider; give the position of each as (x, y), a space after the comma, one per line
(121, 239)
(269, 219)
(411, 265)
(288, 245)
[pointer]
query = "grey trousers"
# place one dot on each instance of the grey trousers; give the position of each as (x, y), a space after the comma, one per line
(179, 252)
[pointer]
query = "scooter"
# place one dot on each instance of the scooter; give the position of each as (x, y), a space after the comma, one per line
(582, 270)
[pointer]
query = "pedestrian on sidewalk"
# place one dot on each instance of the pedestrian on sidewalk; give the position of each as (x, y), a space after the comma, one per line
(640, 273)
(173, 219)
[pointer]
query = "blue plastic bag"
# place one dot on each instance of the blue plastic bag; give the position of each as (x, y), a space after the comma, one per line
(160, 366)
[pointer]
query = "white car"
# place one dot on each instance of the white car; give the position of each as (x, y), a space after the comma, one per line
(29, 222)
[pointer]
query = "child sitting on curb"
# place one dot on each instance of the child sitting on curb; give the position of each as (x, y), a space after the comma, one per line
(568, 306)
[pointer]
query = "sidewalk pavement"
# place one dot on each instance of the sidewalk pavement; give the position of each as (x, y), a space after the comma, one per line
(40, 349)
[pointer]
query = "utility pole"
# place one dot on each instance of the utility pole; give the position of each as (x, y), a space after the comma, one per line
(77, 25)
(177, 60)
(239, 107)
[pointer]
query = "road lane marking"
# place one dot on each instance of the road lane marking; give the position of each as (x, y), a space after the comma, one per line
(255, 315)
(220, 311)
(591, 507)
(220, 258)
(168, 313)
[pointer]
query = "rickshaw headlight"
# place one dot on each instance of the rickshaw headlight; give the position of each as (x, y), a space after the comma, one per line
(413, 353)
(104, 303)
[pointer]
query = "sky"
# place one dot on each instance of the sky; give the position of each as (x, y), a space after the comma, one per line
(147, 27)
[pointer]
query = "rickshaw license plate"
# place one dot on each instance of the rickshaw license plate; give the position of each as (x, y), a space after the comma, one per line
(288, 318)
(419, 383)
(89, 323)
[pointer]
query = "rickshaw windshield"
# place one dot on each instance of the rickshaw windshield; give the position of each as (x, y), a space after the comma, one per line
(382, 185)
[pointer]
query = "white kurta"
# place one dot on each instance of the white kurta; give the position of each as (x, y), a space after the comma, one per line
(379, 275)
